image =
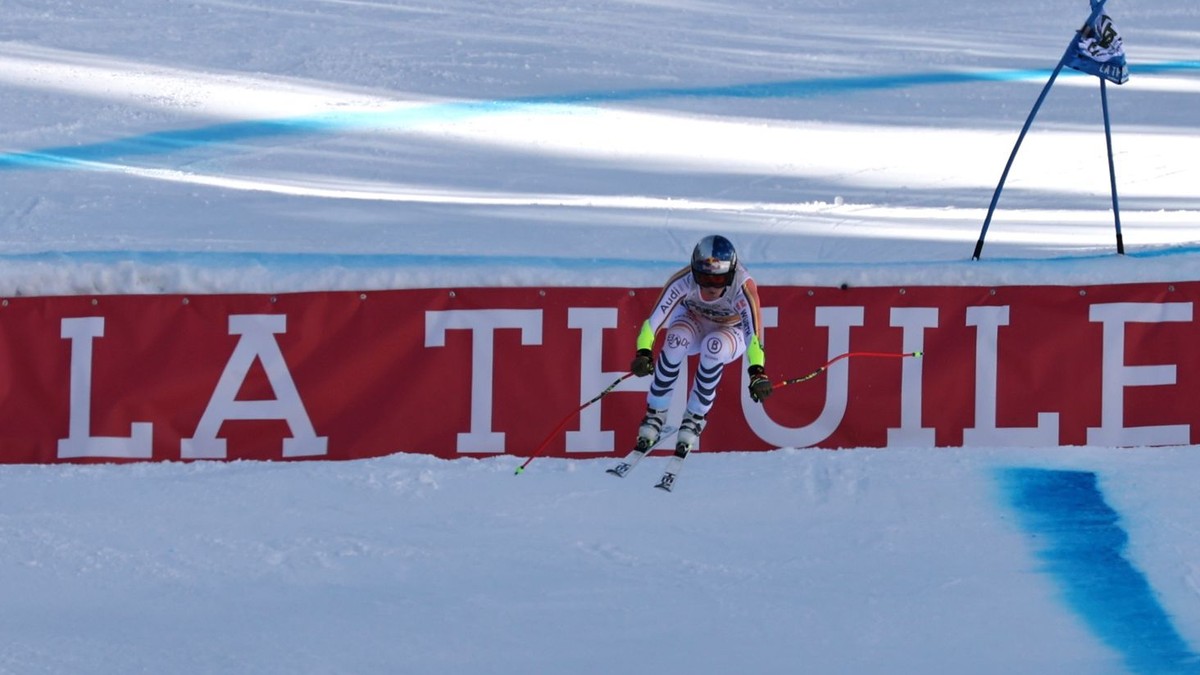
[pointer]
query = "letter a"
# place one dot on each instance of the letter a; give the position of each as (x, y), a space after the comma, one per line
(258, 341)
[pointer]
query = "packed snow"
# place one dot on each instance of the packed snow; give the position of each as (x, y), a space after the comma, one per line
(275, 146)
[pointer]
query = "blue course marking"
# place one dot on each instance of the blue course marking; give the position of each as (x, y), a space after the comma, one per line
(305, 261)
(229, 134)
(308, 260)
(1082, 545)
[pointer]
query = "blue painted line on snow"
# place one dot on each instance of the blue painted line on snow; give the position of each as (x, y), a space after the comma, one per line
(229, 134)
(1081, 545)
(276, 260)
(317, 260)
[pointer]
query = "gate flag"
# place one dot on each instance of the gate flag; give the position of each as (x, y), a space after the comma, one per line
(1096, 49)
(1099, 51)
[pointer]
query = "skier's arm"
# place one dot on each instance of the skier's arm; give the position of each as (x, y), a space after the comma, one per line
(672, 294)
(645, 338)
(760, 385)
(755, 353)
(752, 324)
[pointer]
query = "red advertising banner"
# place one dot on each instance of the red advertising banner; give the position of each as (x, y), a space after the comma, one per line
(479, 372)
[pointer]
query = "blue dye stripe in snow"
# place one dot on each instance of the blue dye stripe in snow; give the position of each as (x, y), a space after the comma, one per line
(306, 261)
(229, 134)
(1081, 544)
(373, 261)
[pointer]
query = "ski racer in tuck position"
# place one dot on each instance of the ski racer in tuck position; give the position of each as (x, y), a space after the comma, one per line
(709, 308)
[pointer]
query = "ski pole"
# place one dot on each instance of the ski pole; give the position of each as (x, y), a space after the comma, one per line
(566, 419)
(830, 362)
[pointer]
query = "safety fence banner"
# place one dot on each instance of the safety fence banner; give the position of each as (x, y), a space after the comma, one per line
(482, 372)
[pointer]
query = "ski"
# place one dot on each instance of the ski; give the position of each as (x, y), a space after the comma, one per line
(674, 466)
(631, 460)
(626, 465)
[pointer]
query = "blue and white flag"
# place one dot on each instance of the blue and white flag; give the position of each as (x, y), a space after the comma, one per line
(1099, 51)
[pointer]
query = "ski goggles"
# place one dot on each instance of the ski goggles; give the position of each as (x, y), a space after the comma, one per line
(711, 280)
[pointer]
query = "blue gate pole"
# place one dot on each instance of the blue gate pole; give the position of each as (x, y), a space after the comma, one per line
(1112, 168)
(1097, 9)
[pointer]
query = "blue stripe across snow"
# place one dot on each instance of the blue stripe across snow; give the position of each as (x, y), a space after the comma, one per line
(1081, 545)
(165, 142)
(276, 260)
(311, 260)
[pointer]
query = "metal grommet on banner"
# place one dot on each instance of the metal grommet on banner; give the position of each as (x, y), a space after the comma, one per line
(1082, 292)
(362, 296)
(452, 294)
(186, 301)
(95, 302)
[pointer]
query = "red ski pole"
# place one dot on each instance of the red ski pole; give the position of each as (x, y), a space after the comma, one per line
(847, 355)
(568, 418)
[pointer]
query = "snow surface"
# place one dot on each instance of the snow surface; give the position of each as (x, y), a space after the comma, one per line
(282, 145)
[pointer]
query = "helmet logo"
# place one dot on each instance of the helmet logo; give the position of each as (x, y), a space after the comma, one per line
(713, 265)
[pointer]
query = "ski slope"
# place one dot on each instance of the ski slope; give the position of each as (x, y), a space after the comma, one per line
(272, 146)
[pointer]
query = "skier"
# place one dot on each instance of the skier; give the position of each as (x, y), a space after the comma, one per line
(709, 308)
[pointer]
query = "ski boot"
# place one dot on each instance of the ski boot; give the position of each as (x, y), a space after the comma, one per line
(689, 436)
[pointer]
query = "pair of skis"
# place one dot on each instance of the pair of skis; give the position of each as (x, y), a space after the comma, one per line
(668, 479)
(667, 482)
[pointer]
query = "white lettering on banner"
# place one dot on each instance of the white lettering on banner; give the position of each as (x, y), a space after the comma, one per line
(987, 321)
(1116, 376)
(914, 321)
(80, 442)
(839, 320)
(591, 322)
(483, 324)
(257, 342)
